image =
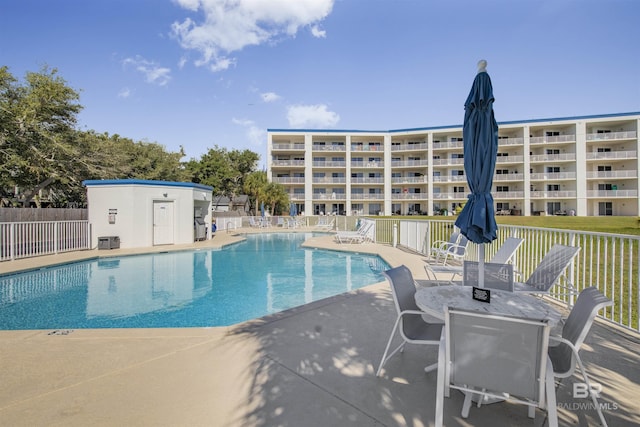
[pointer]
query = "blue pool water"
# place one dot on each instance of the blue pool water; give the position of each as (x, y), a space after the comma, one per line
(265, 274)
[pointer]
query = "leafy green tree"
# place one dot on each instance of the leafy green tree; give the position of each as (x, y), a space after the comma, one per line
(277, 197)
(224, 170)
(37, 122)
(255, 185)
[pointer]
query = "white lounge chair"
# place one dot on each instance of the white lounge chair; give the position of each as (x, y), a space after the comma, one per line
(550, 270)
(361, 235)
(326, 223)
(503, 255)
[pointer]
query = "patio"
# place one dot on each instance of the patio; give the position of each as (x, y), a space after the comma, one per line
(310, 366)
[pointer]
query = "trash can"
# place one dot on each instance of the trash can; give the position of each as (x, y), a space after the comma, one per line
(109, 242)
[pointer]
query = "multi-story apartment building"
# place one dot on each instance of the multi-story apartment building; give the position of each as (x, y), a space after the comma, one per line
(587, 166)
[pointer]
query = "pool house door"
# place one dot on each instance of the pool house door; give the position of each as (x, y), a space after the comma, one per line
(163, 223)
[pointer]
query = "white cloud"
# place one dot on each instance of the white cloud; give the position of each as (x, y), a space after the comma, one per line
(317, 32)
(230, 26)
(256, 136)
(312, 116)
(153, 72)
(270, 96)
(125, 92)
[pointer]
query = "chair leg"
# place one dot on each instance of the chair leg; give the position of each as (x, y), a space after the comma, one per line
(440, 386)
(386, 350)
(550, 392)
(593, 395)
(466, 405)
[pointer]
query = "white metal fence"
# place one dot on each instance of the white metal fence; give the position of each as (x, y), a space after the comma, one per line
(29, 239)
(606, 261)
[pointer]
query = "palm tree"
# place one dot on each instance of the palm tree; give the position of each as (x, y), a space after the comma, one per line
(255, 185)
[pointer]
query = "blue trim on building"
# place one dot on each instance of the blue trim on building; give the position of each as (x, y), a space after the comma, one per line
(94, 182)
(515, 122)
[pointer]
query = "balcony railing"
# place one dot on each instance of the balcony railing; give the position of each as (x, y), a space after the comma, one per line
(551, 139)
(289, 180)
(329, 180)
(569, 194)
(449, 178)
(610, 155)
(510, 141)
(448, 145)
(500, 195)
(613, 174)
(288, 146)
(611, 136)
(552, 157)
(612, 193)
(277, 163)
(360, 196)
(355, 147)
(448, 162)
(328, 147)
(409, 163)
(508, 177)
(409, 196)
(367, 165)
(450, 196)
(379, 180)
(330, 164)
(556, 176)
(409, 180)
(422, 146)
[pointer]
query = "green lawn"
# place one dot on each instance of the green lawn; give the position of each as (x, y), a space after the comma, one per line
(597, 224)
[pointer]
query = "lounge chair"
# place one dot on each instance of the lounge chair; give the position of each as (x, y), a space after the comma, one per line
(326, 223)
(410, 324)
(361, 235)
(498, 357)
(504, 255)
(564, 351)
(550, 270)
(453, 249)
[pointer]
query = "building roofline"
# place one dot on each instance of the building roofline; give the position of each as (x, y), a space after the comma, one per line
(511, 122)
(98, 182)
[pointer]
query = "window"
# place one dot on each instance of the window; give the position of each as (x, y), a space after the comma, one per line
(319, 159)
(502, 154)
(552, 133)
(502, 171)
(396, 175)
(553, 169)
(337, 175)
(552, 151)
(604, 168)
(553, 207)
(603, 131)
(605, 187)
(502, 188)
(458, 189)
(318, 175)
(604, 150)
(553, 187)
(502, 207)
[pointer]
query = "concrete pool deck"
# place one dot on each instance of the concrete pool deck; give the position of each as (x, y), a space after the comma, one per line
(309, 366)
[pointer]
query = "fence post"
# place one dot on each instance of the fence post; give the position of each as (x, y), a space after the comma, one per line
(55, 237)
(12, 241)
(395, 235)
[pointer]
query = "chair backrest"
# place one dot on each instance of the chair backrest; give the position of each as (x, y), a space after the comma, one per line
(460, 248)
(552, 267)
(502, 354)
(577, 326)
(507, 250)
(496, 276)
(403, 289)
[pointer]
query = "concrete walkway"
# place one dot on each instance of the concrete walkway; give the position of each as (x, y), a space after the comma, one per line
(310, 366)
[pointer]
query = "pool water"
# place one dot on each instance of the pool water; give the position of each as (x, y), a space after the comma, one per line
(265, 274)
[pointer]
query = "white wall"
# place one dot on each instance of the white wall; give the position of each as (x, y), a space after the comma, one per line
(134, 206)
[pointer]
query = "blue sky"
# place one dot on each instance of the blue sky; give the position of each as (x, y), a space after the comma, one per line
(200, 73)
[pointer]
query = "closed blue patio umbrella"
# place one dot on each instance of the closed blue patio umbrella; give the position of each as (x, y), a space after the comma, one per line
(293, 209)
(480, 135)
(262, 209)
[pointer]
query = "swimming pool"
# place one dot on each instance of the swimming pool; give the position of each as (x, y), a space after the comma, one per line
(265, 274)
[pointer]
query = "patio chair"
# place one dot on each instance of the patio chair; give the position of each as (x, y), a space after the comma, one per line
(253, 222)
(497, 357)
(551, 269)
(496, 276)
(410, 324)
(564, 351)
(451, 251)
(503, 255)
(326, 223)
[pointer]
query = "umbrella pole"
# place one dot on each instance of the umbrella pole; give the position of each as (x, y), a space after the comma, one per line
(481, 265)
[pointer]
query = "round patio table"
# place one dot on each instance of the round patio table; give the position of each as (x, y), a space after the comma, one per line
(432, 300)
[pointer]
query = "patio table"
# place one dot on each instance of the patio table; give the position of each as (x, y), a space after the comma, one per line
(432, 300)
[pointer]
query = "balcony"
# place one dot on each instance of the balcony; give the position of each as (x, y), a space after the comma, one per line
(448, 162)
(409, 196)
(329, 180)
(360, 196)
(332, 196)
(611, 136)
(375, 180)
(378, 148)
(333, 148)
(555, 176)
(449, 178)
(330, 164)
(449, 196)
(409, 180)
(422, 146)
(510, 141)
(508, 177)
(612, 194)
(289, 146)
(612, 174)
(501, 195)
(287, 163)
(542, 158)
(536, 140)
(408, 163)
(516, 159)
(289, 180)
(612, 155)
(367, 165)
(569, 194)
(447, 145)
